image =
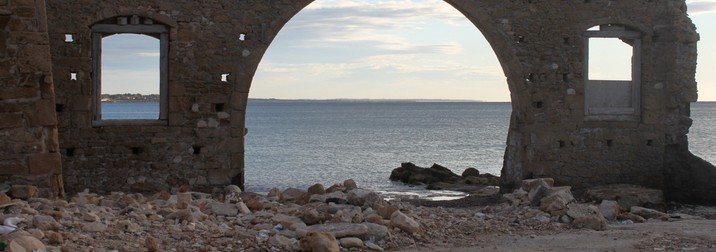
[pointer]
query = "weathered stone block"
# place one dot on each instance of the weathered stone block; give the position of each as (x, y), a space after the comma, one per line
(627, 195)
(19, 93)
(586, 216)
(23, 192)
(42, 114)
(45, 163)
(528, 184)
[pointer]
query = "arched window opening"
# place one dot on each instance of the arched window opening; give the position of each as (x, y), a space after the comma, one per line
(130, 71)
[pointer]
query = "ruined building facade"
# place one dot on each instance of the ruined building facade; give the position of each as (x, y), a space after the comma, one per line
(566, 124)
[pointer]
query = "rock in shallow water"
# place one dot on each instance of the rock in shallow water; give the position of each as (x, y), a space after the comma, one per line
(412, 174)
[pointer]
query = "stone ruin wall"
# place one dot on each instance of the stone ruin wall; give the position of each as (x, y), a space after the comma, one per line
(202, 143)
(539, 44)
(29, 153)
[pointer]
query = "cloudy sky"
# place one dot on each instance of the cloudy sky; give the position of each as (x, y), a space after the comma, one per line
(423, 49)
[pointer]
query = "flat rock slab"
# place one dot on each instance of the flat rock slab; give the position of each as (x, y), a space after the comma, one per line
(627, 195)
(340, 230)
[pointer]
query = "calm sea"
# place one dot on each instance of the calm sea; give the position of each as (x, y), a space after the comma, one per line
(298, 143)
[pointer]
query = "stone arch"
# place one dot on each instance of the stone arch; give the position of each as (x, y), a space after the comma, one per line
(501, 45)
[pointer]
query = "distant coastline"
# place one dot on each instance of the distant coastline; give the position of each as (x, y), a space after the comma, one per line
(130, 98)
(364, 100)
(155, 98)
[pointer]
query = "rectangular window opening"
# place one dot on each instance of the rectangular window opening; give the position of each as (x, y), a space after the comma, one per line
(73, 76)
(225, 77)
(130, 77)
(612, 73)
(610, 59)
(69, 38)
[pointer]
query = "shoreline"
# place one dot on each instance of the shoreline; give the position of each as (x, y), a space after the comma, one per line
(349, 218)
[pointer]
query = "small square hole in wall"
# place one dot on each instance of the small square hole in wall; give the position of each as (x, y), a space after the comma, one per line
(196, 150)
(219, 107)
(562, 144)
(538, 104)
(137, 150)
(242, 37)
(73, 76)
(59, 107)
(69, 38)
(70, 152)
(225, 77)
(649, 142)
(610, 142)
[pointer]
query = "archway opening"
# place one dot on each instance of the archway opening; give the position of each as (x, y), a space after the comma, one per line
(350, 89)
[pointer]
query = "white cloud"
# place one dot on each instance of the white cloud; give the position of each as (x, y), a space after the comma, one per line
(130, 81)
(399, 64)
(379, 49)
(701, 7)
(376, 23)
(149, 54)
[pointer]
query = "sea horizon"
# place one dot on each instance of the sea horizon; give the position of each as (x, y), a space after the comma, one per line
(298, 142)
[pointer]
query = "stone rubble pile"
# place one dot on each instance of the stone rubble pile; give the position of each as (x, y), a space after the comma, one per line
(615, 203)
(338, 218)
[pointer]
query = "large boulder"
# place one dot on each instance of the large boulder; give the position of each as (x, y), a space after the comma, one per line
(470, 172)
(319, 242)
(25, 240)
(556, 200)
(405, 223)
(586, 216)
(482, 179)
(627, 195)
(412, 174)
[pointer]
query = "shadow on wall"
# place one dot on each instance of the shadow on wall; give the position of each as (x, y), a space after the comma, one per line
(689, 178)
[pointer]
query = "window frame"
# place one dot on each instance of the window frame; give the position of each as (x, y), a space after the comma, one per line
(101, 30)
(631, 113)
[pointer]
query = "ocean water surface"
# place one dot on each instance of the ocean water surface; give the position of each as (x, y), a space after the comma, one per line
(130, 110)
(299, 143)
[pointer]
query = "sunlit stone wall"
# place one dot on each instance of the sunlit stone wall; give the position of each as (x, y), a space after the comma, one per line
(540, 45)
